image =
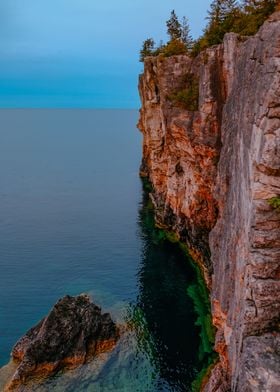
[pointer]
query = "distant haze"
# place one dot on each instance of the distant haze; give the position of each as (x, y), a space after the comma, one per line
(81, 53)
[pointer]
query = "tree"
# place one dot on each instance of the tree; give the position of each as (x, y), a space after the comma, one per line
(174, 28)
(186, 34)
(147, 49)
(214, 14)
(228, 7)
(221, 9)
(259, 5)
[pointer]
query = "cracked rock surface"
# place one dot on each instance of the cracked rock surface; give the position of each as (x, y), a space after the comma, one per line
(213, 171)
(73, 333)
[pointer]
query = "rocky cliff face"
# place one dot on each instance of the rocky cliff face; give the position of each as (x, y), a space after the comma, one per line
(213, 171)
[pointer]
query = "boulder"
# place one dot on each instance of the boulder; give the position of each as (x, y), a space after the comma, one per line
(73, 333)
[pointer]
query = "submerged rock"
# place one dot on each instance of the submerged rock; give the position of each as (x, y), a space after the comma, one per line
(73, 333)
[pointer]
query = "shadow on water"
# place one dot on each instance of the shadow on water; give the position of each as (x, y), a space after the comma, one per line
(165, 317)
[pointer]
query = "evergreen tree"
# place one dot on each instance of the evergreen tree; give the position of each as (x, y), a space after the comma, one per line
(186, 34)
(221, 9)
(259, 5)
(147, 49)
(174, 28)
(228, 7)
(249, 4)
(214, 14)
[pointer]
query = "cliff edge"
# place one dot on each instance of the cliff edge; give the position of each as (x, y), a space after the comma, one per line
(213, 168)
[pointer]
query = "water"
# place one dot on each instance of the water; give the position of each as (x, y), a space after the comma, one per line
(74, 219)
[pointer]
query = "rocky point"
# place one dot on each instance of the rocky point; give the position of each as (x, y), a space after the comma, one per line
(73, 333)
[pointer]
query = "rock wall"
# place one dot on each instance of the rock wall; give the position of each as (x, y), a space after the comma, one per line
(212, 172)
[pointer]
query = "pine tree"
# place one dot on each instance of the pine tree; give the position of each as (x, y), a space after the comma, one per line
(186, 34)
(147, 49)
(214, 14)
(174, 28)
(228, 7)
(258, 5)
(220, 10)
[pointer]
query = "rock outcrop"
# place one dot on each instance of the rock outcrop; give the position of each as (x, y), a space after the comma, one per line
(73, 333)
(213, 171)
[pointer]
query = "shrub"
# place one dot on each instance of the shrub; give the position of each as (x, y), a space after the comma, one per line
(188, 97)
(173, 48)
(275, 202)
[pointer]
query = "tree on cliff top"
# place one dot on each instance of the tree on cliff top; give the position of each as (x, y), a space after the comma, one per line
(222, 16)
(174, 28)
(254, 14)
(243, 17)
(147, 49)
(186, 33)
(265, 7)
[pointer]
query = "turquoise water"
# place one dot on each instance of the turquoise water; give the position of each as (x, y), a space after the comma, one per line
(73, 219)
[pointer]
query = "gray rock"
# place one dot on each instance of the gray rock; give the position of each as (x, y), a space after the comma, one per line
(260, 363)
(74, 332)
(213, 171)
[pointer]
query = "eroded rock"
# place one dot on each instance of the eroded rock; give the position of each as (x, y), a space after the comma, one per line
(260, 363)
(213, 171)
(73, 333)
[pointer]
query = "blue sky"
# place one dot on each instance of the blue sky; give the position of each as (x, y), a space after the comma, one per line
(81, 53)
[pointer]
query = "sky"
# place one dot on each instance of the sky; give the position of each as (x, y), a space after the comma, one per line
(81, 53)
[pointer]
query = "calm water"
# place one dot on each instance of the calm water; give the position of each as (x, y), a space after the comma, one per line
(73, 219)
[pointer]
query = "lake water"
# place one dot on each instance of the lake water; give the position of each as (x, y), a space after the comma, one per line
(74, 219)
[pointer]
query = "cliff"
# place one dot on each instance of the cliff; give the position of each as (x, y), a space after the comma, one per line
(213, 169)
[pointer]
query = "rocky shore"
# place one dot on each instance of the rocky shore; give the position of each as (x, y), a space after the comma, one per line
(73, 333)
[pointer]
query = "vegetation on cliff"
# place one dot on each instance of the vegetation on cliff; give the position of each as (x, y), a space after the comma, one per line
(180, 40)
(275, 202)
(188, 96)
(243, 17)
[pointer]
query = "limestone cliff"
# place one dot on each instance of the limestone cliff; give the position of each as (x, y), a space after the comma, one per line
(213, 171)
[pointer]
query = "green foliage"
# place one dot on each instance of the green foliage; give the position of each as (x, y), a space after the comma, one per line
(224, 16)
(275, 202)
(228, 16)
(180, 40)
(173, 48)
(174, 28)
(187, 97)
(147, 49)
(186, 33)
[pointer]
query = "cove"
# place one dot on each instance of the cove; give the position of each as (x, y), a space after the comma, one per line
(74, 219)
